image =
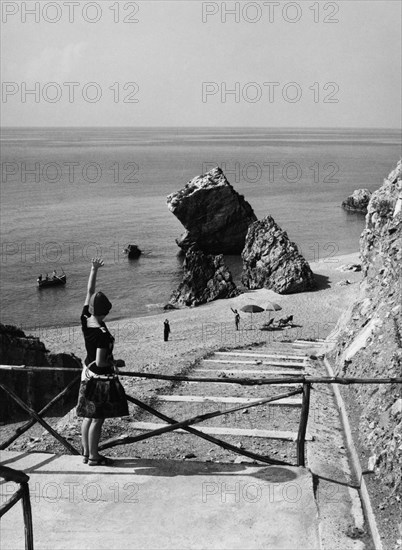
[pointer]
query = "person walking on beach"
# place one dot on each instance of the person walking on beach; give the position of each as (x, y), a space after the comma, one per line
(101, 394)
(237, 317)
(166, 330)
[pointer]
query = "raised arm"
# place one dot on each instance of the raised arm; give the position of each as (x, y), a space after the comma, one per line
(96, 264)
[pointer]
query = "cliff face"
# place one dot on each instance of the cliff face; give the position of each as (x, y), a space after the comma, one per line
(215, 216)
(369, 339)
(36, 389)
(271, 260)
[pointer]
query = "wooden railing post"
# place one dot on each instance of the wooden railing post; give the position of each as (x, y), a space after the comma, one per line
(27, 511)
(301, 436)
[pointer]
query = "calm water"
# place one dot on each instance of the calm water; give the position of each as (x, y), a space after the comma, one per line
(70, 194)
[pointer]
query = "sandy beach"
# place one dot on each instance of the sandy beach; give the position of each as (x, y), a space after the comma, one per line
(197, 331)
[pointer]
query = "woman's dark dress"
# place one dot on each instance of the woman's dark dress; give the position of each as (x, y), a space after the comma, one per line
(99, 398)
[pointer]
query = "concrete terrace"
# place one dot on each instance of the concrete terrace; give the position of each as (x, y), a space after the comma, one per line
(149, 504)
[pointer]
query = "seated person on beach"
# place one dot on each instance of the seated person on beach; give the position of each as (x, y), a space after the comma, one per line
(285, 321)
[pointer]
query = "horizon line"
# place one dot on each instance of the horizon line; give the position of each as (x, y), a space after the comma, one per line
(213, 127)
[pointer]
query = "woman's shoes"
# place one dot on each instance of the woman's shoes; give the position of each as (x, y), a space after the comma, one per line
(100, 461)
(84, 457)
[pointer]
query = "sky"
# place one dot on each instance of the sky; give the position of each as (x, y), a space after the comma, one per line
(196, 63)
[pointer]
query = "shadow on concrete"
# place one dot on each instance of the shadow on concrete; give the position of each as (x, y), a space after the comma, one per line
(155, 468)
(352, 484)
(168, 468)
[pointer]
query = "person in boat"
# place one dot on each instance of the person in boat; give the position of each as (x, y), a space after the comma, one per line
(39, 279)
(47, 277)
(101, 394)
(54, 274)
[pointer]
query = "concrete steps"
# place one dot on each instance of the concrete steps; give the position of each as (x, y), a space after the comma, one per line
(212, 430)
(217, 399)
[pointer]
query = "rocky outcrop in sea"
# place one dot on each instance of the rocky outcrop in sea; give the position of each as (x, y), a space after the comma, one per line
(215, 216)
(369, 344)
(132, 251)
(357, 201)
(271, 260)
(205, 278)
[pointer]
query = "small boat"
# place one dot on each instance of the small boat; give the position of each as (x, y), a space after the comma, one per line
(52, 281)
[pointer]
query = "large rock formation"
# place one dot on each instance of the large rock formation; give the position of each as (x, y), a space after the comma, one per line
(369, 344)
(271, 260)
(357, 201)
(205, 278)
(215, 216)
(36, 389)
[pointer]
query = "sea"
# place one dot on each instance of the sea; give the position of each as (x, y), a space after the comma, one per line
(71, 194)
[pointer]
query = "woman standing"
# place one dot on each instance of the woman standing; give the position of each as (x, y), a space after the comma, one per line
(101, 394)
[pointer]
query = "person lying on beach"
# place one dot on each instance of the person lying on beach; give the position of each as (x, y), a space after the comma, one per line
(285, 321)
(101, 395)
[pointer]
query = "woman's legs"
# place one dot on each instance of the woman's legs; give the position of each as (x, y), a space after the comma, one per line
(90, 433)
(86, 422)
(94, 433)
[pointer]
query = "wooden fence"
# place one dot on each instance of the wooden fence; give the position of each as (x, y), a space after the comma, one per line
(304, 389)
(173, 424)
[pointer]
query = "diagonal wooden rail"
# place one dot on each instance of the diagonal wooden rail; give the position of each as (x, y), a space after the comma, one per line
(194, 420)
(39, 419)
(22, 429)
(207, 437)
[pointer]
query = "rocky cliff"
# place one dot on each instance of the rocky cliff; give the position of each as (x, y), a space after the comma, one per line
(215, 216)
(205, 278)
(36, 389)
(369, 344)
(271, 260)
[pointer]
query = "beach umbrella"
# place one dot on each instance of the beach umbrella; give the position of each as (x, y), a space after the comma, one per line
(252, 308)
(272, 306)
